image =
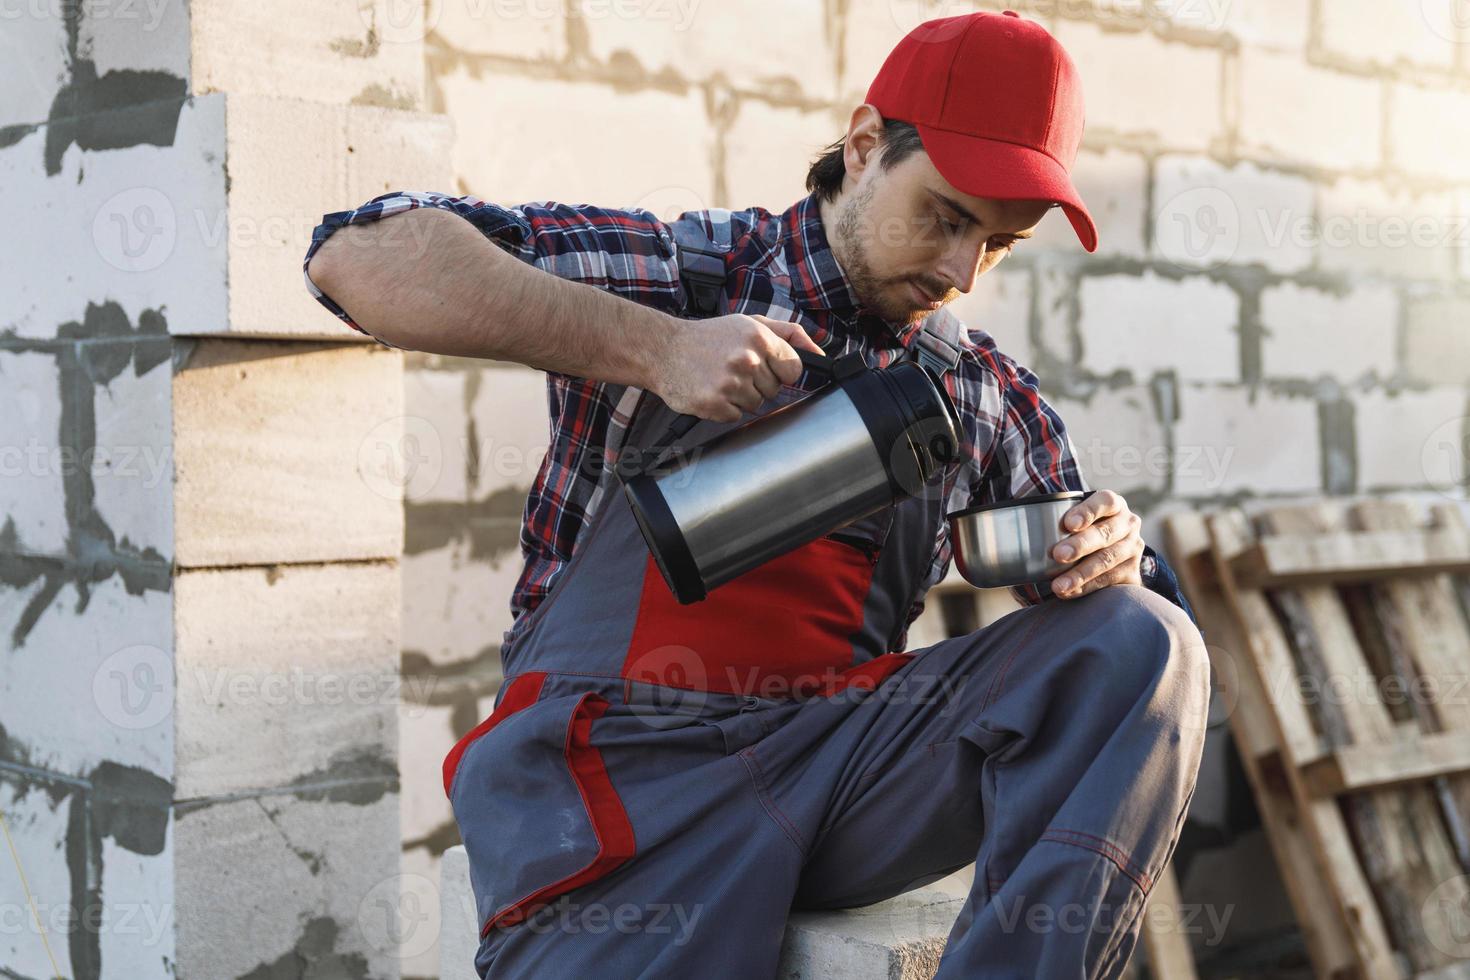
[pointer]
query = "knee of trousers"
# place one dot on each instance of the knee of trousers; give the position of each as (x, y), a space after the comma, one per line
(1148, 644)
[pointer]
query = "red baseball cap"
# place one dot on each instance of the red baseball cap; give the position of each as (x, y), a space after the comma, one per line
(998, 105)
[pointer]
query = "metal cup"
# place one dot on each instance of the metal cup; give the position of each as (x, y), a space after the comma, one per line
(1009, 543)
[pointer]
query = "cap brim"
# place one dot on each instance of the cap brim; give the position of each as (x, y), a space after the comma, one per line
(1007, 172)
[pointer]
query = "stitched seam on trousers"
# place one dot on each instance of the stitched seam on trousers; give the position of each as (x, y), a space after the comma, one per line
(1104, 847)
(757, 779)
(996, 684)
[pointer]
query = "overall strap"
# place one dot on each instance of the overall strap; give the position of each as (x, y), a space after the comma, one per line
(938, 345)
(701, 259)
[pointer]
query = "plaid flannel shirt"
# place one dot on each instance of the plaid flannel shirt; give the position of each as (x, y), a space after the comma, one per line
(782, 267)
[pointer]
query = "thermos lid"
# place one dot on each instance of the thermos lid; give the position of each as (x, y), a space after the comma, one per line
(912, 420)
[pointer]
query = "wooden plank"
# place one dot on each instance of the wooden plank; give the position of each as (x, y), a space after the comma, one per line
(1429, 644)
(1360, 767)
(1405, 850)
(1164, 940)
(1289, 560)
(1326, 924)
(1321, 820)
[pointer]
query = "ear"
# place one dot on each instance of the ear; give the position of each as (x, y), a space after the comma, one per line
(864, 132)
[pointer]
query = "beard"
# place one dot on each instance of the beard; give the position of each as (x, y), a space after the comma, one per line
(883, 296)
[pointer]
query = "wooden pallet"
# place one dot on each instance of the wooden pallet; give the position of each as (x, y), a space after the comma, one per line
(1339, 635)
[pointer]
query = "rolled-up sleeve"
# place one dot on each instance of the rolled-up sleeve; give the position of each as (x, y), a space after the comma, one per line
(629, 252)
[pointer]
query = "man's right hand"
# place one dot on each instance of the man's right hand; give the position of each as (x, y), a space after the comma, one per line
(719, 367)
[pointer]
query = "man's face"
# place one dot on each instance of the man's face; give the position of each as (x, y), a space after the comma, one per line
(911, 243)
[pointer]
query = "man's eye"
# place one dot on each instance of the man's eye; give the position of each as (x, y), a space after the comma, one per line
(1000, 245)
(948, 225)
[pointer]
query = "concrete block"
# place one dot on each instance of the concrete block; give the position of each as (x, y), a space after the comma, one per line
(531, 30)
(132, 469)
(510, 415)
(280, 883)
(1114, 183)
(1121, 442)
(1386, 34)
(436, 417)
(1413, 439)
(1233, 440)
(426, 733)
(459, 931)
(308, 463)
(1000, 305)
(37, 815)
(419, 918)
(1367, 227)
(338, 51)
(1145, 324)
(663, 148)
(1310, 333)
(900, 939)
(691, 41)
(151, 36)
(286, 675)
(1282, 26)
(456, 596)
(769, 150)
(137, 208)
(1207, 215)
(1056, 314)
(1422, 139)
(1180, 84)
(34, 457)
(114, 686)
(869, 32)
(1437, 345)
(33, 66)
(292, 161)
(1275, 127)
(137, 937)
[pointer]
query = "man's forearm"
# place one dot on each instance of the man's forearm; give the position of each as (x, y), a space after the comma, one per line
(428, 280)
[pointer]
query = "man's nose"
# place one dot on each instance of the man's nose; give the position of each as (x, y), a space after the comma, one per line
(961, 264)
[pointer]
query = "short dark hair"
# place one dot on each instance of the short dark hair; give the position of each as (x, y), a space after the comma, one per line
(900, 140)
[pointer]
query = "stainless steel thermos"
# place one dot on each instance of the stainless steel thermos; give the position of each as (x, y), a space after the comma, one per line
(859, 443)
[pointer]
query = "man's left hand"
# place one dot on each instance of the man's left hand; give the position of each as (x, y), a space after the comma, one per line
(1103, 548)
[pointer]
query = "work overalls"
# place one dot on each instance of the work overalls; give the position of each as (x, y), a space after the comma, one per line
(659, 785)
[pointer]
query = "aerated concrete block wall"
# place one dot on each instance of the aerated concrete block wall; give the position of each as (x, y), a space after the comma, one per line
(200, 532)
(1280, 305)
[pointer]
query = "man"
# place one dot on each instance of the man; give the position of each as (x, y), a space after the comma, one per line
(1056, 748)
